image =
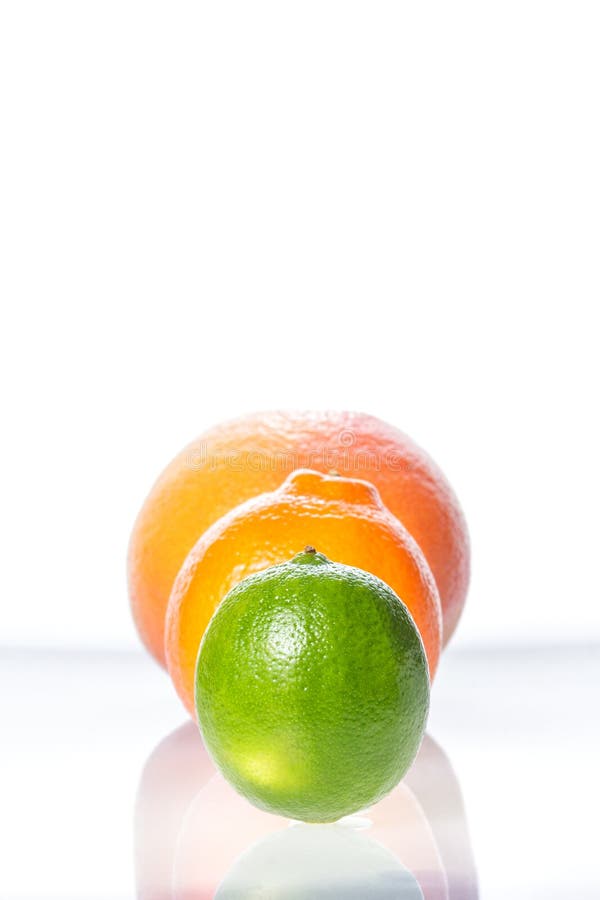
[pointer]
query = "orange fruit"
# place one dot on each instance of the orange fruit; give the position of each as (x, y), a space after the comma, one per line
(248, 456)
(343, 518)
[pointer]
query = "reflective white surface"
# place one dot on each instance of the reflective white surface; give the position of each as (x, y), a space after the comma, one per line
(107, 792)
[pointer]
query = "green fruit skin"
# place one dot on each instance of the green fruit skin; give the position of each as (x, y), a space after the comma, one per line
(312, 689)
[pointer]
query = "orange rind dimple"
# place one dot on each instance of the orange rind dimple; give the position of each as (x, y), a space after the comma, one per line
(317, 484)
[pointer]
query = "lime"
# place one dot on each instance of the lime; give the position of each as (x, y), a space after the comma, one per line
(312, 688)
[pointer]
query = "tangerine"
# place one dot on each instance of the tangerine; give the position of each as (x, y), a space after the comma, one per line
(343, 517)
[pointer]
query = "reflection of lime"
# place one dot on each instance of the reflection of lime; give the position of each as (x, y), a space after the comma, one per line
(312, 688)
(309, 863)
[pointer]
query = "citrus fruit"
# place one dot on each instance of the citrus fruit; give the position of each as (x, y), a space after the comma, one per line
(245, 457)
(344, 517)
(312, 688)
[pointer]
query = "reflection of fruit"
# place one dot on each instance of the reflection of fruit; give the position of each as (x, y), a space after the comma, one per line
(434, 782)
(174, 773)
(248, 456)
(343, 517)
(185, 849)
(312, 688)
(220, 827)
(307, 862)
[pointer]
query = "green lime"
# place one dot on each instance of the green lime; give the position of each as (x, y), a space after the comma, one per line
(312, 688)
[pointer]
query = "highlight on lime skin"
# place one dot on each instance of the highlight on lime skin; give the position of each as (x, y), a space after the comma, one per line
(265, 768)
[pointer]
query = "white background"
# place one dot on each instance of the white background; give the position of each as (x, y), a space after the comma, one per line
(211, 208)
